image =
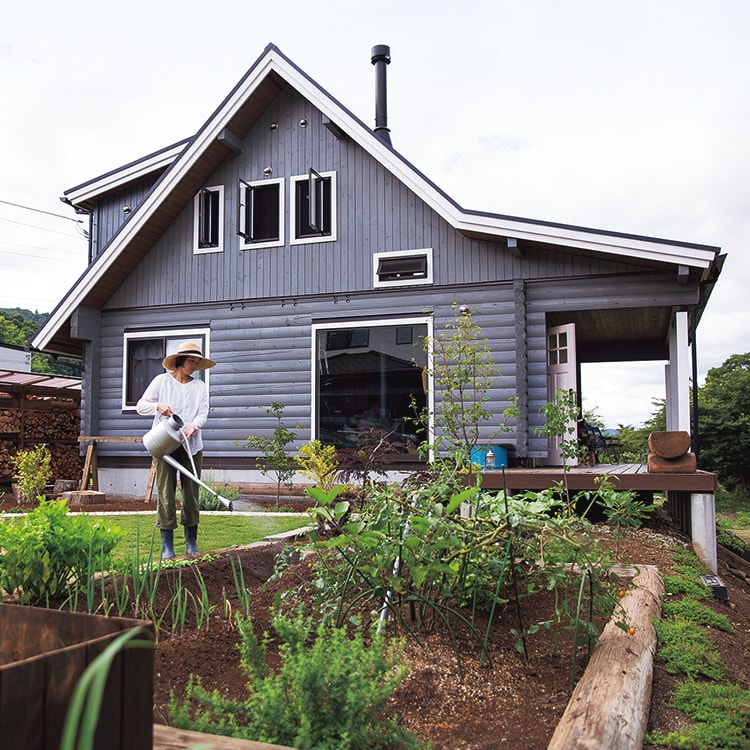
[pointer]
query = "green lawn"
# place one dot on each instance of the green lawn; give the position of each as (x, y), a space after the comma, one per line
(214, 532)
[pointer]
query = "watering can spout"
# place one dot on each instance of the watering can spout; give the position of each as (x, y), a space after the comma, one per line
(165, 438)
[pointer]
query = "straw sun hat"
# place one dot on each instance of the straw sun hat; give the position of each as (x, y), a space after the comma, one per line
(188, 349)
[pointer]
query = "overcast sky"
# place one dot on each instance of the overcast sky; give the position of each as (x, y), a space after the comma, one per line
(629, 117)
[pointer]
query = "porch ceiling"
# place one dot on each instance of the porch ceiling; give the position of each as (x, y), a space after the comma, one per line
(618, 335)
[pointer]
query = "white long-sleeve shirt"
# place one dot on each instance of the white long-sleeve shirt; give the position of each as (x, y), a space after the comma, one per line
(189, 401)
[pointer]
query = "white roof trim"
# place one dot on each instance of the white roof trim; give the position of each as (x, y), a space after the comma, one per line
(184, 157)
(123, 175)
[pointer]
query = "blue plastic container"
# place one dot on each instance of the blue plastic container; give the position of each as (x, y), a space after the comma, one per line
(479, 456)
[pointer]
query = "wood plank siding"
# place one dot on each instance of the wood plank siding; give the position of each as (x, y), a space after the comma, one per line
(259, 304)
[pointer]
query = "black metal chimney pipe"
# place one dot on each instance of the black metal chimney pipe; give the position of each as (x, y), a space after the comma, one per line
(380, 58)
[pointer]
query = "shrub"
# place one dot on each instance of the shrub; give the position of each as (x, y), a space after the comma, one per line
(209, 501)
(275, 459)
(46, 548)
(33, 470)
(319, 463)
(328, 694)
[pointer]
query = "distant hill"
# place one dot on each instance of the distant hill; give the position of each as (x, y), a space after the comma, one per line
(17, 328)
(35, 317)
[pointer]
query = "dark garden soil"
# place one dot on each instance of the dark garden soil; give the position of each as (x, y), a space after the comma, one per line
(515, 703)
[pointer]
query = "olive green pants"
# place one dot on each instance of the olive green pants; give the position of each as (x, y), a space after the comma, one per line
(166, 490)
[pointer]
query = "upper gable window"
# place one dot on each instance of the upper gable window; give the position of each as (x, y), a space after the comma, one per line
(209, 220)
(260, 213)
(402, 268)
(313, 207)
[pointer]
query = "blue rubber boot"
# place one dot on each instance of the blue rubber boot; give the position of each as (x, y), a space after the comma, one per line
(167, 544)
(191, 540)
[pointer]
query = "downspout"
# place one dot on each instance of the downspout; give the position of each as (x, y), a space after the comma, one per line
(694, 310)
(694, 356)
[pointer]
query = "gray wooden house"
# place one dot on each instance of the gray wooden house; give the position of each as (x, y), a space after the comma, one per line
(308, 257)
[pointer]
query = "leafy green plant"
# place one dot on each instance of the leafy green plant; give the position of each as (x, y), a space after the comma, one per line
(33, 468)
(621, 509)
(560, 423)
(48, 546)
(411, 551)
(275, 460)
(329, 693)
(207, 500)
(319, 463)
(463, 373)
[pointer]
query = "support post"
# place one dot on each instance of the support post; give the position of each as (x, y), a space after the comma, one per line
(703, 528)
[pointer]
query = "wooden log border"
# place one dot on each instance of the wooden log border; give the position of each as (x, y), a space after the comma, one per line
(610, 705)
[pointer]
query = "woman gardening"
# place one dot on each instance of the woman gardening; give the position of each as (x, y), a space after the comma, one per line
(178, 392)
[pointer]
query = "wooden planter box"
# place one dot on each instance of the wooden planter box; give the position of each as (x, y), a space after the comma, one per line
(44, 652)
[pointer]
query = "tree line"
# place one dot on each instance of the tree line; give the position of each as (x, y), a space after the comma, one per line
(18, 326)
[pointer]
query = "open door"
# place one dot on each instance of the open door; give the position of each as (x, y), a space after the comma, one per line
(561, 374)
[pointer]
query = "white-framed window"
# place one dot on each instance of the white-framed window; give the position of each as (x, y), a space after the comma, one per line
(364, 388)
(402, 268)
(260, 213)
(144, 351)
(312, 207)
(208, 212)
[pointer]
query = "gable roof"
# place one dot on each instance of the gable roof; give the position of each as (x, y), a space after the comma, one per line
(189, 163)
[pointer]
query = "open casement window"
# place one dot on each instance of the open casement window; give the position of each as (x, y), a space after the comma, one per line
(209, 220)
(260, 213)
(143, 353)
(369, 376)
(313, 208)
(402, 268)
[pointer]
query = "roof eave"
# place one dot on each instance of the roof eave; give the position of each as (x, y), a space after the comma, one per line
(273, 63)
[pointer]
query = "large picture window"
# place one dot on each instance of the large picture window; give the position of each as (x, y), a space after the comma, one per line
(362, 391)
(143, 352)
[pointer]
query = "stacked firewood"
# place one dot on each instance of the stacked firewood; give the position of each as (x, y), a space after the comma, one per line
(10, 420)
(670, 453)
(49, 425)
(26, 421)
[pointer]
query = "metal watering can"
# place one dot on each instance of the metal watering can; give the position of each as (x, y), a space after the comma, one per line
(165, 438)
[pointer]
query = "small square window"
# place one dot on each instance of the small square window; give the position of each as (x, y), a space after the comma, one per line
(260, 213)
(404, 335)
(209, 220)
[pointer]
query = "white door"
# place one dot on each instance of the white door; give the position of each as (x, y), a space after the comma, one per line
(561, 374)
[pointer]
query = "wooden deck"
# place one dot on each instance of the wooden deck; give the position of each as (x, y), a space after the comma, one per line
(622, 476)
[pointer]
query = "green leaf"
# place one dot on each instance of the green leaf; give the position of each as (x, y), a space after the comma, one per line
(462, 497)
